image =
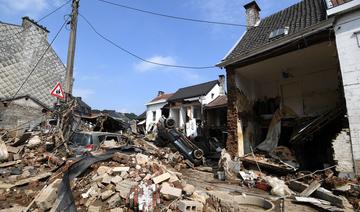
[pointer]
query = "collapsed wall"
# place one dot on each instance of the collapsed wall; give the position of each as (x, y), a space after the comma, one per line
(342, 147)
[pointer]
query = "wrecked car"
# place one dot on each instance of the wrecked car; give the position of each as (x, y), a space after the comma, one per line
(82, 142)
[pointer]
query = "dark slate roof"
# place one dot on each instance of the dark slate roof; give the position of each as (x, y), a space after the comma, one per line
(220, 101)
(298, 18)
(193, 91)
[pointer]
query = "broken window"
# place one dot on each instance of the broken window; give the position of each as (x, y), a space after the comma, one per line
(197, 112)
(154, 115)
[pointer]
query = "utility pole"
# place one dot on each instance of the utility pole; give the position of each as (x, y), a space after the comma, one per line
(71, 50)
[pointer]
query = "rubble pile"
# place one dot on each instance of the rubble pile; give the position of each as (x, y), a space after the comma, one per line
(130, 181)
(30, 160)
(40, 172)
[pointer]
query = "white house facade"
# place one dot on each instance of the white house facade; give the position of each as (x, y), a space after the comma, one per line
(154, 110)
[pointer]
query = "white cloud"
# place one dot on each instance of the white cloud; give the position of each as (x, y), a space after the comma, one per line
(144, 66)
(31, 8)
(83, 92)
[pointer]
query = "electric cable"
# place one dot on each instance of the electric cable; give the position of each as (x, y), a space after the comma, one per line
(38, 62)
(138, 57)
(176, 17)
(42, 18)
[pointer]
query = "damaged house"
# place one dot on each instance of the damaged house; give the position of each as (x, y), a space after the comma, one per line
(155, 109)
(187, 104)
(293, 81)
(21, 47)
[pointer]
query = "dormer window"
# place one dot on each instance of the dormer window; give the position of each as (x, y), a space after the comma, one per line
(279, 32)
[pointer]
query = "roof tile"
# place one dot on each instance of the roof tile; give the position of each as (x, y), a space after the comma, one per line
(297, 17)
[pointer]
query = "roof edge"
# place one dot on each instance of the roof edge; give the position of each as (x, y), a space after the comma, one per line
(29, 97)
(304, 33)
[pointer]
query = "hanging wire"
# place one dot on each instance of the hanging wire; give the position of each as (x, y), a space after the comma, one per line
(137, 56)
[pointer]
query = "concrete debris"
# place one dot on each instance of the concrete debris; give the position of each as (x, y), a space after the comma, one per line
(93, 208)
(188, 206)
(120, 169)
(34, 142)
(278, 187)
(170, 192)
(3, 150)
(47, 196)
(161, 178)
(106, 194)
(155, 178)
(189, 189)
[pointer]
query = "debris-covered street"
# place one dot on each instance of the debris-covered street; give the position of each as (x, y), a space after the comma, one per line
(272, 126)
(43, 173)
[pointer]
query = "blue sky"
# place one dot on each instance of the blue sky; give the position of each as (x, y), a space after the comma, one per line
(109, 79)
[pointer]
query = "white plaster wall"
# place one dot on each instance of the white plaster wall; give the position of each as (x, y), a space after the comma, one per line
(248, 86)
(349, 57)
(182, 118)
(316, 91)
(149, 114)
(207, 99)
(174, 114)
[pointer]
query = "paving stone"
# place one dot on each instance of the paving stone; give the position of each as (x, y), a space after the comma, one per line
(187, 206)
(170, 191)
(120, 169)
(114, 200)
(124, 187)
(161, 178)
(103, 169)
(93, 208)
(106, 194)
(106, 179)
(117, 179)
(116, 210)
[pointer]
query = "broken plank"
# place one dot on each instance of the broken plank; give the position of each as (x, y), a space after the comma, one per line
(14, 150)
(32, 179)
(320, 193)
(309, 190)
(10, 163)
(6, 185)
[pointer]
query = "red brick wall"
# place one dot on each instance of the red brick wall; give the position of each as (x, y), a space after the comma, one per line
(232, 113)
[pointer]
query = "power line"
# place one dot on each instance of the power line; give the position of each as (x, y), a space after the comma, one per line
(38, 62)
(42, 18)
(138, 57)
(173, 17)
(54, 11)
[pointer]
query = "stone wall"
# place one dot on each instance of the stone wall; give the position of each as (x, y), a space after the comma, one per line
(232, 114)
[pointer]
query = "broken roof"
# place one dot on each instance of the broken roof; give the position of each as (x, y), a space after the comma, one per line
(220, 101)
(164, 97)
(193, 91)
(298, 18)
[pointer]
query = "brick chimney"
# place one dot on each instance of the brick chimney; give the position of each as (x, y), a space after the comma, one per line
(222, 84)
(160, 93)
(27, 22)
(252, 14)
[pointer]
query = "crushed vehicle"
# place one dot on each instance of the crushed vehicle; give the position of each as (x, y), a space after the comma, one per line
(168, 133)
(82, 142)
